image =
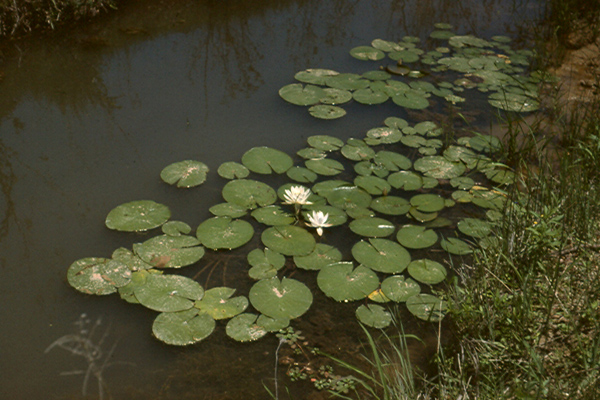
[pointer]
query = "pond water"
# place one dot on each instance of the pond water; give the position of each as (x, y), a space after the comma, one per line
(89, 117)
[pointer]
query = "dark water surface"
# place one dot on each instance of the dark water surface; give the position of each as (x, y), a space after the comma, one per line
(90, 116)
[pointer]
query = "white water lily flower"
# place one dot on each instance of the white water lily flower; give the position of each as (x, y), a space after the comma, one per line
(297, 195)
(318, 219)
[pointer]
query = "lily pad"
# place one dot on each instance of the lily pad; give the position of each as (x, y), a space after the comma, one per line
(336, 96)
(137, 216)
(410, 100)
(224, 233)
(439, 167)
(218, 303)
(315, 76)
(324, 166)
(272, 324)
(166, 251)
(96, 275)
(427, 271)
(273, 215)
(233, 170)
(289, 240)
(325, 111)
(322, 255)
(347, 81)
(373, 184)
(301, 95)
(427, 307)
(390, 205)
(228, 210)
(185, 174)
(392, 161)
(325, 142)
(176, 228)
(357, 150)
(127, 257)
(301, 174)
(366, 53)
(335, 217)
(182, 328)
(407, 180)
(345, 197)
(372, 227)
(416, 237)
(374, 316)
(249, 193)
(381, 255)
(244, 328)
(266, 160)
(398, 288)
(369, 96)
(427, 202)
(474, 227)
(342, 282)
(281, 299)
(456, 246)
(168, 293)
(265, 263)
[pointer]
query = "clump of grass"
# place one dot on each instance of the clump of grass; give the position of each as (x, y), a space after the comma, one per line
(19, 17)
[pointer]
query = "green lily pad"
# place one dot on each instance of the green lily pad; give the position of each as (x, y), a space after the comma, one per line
(366, 168)
(233, 170)
(357, 150)
(244, 328)
(381, 255)
(335, 217)
(301, 95)
(176, 228)
(374, 316)
(398, 288)
(266, 160)
(427, 271)
(369, 96)
(427, 307)
(217, 303)
(336, 96)
(366, 53)
(359, 212)
(345, 197)
(390, 205)
(322, 255)
(316, 76)
(405, 56)
(462, 182)
(127, 257)
(273, 215)
(185, 174)
(372, 227)
(325, 111)
(474, 227)
(385, 45)
(514, 102)
(416, 237)
(326, 167)
(310, 153)
(456, 246)
(182, 328)
(392, 161)
(385, 135)
(422, 216)
(347, 82)
(324, 187)
(439, 167)
(427, 202)
(372, 184)
(410, 100)
(265, 263)
(407, 180)
(249, 193)
(166, 251)
(301, 174)
(228, 210)
(325, 142)
(395, 122)
(342, 282)
(289, 240)
(272, 324)
(281, 299)
(414, 141)
(485, 143)
(168, 293)
(137, 216)
(376, 75)
(96, 275)
(224, 233)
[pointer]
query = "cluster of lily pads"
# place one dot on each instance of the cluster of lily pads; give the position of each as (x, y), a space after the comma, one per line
(397, 194)
(409, 75)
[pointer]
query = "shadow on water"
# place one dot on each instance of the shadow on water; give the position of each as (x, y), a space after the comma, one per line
(91, 114)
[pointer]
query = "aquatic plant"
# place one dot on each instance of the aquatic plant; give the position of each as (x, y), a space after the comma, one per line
(394, 193)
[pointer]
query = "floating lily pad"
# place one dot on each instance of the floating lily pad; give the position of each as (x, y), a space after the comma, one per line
(266, 160)
(372, 227)
(427, 271)
(310, 153)
(281, 299)
(233, 170)
(325, 142)
(336, 96)
(96, 275)
(342, 282)
(218, 303)
(404, 56)
(347, 81)
(407, 180)
(325, 166)
(485, 143)
(228, 210)
(416, 237)
(289, 240)
(385, 45)
(366, 53)
(224, 233)
(244, 328)
(456, 246)
(373, 184)
(422, 216)
(357, 150)
(381, 255)
(137, 216)
(369, 96)
(335, 216)
(377, 75)
(301, 95)
(176, 228)
(301, 174)
(182, 328)
(398, 288)
(272, 324)
(249, 193)
(427, 202)
(345, 197)
(166, 251)
(392, 161)
(427, 307)
(474, 227)
(322, 255)
(127, 257)
(315, 76)
(325, 111)
(514, 102)
(410, 100)
(439, 167)
(168, 293)
(374, 315)
(390, 205)
(273, 215)
(378, 296)
(185, 174)
(265, 263)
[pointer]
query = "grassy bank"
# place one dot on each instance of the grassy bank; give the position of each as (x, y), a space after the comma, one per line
(18, 17)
